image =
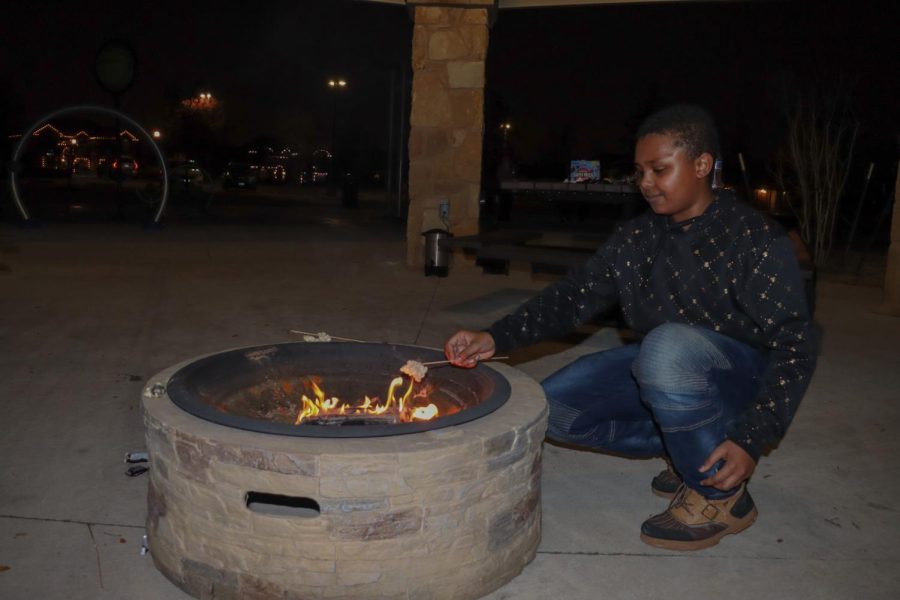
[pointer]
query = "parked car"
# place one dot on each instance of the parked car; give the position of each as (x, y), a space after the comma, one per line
(123, 167)
(239, 175)
(186, 174)
(189, 182)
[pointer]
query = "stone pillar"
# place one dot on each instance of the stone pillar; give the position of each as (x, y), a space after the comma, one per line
(446, 118)
(891, 303)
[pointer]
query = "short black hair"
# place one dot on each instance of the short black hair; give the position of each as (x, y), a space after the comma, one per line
(692, 127)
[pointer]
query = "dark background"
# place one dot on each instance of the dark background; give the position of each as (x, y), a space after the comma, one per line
(266, 62)
(573, 82)
(576, 82)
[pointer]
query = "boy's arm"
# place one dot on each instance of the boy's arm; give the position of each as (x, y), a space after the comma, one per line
(775, 299)
(585, 292)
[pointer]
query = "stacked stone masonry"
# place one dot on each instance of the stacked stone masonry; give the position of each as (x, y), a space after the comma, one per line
(446, 120)
(449, 513)
(891, 303)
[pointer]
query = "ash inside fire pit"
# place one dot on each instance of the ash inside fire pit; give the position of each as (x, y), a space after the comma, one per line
(333, 390)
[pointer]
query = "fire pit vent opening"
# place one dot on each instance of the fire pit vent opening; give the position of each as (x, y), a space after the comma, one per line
(280, 505)
(333, 390)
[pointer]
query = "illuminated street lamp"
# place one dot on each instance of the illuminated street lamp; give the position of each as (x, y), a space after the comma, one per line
(203, 100)
(336, 84)
(156, 134)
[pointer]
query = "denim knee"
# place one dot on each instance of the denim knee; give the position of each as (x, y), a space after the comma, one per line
(560, 419)
(678, 359)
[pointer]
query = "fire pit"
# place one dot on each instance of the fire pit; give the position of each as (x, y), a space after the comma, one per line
(391, 490)
(282, 389)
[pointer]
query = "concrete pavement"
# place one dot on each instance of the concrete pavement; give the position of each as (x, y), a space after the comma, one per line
(89, 310)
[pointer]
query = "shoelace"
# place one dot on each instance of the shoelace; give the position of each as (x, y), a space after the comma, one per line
(680, 500)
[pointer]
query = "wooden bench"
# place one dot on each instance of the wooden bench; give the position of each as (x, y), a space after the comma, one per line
(484, 240)
(496, 250)
(543, 259)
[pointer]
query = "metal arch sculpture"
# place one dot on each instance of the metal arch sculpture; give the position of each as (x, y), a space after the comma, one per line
(23, 211)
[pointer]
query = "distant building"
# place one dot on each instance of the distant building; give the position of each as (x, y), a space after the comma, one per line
(53, 149)
(275, 163)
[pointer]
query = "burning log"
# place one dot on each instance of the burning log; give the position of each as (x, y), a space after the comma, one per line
(397, 407)
(353, 419)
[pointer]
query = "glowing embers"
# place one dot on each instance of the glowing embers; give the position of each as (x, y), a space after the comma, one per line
(399, 407)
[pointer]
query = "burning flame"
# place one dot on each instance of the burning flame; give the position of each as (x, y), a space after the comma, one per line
(398, 402)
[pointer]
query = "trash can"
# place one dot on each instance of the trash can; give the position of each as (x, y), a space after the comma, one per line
(349, 191)
(437, 259)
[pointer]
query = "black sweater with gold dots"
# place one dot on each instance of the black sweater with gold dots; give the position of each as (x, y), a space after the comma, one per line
(733, 271)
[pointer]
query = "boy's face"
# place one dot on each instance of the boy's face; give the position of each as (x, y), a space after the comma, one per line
(672, 183)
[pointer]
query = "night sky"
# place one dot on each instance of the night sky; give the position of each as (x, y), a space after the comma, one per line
(573, 81)
(268, 62)
(582, 78)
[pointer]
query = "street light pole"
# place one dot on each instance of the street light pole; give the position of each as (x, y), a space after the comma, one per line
(336, 85)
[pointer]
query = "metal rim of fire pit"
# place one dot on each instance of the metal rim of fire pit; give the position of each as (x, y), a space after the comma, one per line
(192, 386)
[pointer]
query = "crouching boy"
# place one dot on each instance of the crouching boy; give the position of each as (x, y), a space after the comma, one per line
(726, 348)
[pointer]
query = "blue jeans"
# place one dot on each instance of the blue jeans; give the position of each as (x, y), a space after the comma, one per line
(674, 393)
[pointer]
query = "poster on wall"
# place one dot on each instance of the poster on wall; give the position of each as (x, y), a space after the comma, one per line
(584, 171)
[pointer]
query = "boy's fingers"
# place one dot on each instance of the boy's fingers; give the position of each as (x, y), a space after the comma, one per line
(473, 356)
(468, 363)
(472, 359)
(719, 480)
(467, 349)
(714, 480)
(726, 478)
(717, 454)
(456, 346)
(726, 472)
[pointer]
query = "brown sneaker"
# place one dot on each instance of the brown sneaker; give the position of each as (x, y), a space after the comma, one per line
(666, 484)
(693, 522)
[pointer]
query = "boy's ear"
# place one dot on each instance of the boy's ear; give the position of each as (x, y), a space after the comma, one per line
(703, 164)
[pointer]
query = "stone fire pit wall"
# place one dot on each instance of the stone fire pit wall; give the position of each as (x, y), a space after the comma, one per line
(449, 513)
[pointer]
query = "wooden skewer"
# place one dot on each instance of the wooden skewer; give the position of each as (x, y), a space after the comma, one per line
(334, 337)
(447, 362)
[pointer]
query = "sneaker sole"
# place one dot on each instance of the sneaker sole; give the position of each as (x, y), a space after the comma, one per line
(739, 526)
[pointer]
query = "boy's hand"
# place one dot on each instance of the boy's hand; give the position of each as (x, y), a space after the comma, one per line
(738, 466)
(466, 348)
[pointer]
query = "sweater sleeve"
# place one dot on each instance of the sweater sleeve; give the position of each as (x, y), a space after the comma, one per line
(774, 298)
(584, 293)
